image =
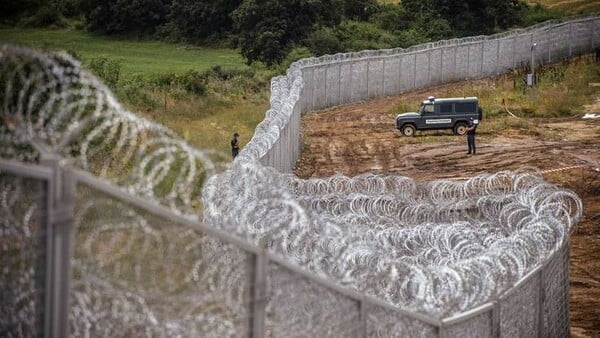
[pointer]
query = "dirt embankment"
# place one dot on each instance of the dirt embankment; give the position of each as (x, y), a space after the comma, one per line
(361, 137)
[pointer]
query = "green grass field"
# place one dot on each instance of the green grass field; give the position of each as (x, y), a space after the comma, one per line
(205, 121)
(135, 57)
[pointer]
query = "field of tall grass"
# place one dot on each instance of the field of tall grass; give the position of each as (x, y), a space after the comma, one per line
(570, 7)
(204, 94)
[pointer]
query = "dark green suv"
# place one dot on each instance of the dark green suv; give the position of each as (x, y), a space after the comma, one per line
(448, 113)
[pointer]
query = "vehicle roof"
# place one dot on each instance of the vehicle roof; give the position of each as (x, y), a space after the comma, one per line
(453, 99)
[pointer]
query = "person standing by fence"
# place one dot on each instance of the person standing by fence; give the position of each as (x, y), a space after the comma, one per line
(235, 145)
(471, 135)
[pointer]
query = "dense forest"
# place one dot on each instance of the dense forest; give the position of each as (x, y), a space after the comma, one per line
(271, 31)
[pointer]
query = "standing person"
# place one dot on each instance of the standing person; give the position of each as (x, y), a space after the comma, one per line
(235, 145)
(471, 135)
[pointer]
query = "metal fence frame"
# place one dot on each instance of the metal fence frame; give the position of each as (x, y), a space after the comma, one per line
(61, 181)
(334, 80)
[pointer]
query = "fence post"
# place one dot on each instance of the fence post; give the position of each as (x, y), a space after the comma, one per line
(570, 39)
(549, 46)
(326, 85)
(429, 67)
(468, 62)
(482, 57)
(59, 249)
(339, 84)
(541, 300)
(496, 319)
(514, 51)
(592, 31)
(368, 66)
(400, 58)
(258, 293)
(414, 71)
(442, 64)
(363, 304)
(351, 79)
(455, 62)
(383, 93)
(497, 56)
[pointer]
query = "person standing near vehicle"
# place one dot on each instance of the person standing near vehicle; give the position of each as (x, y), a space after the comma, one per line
(471, 135)
(235, 145)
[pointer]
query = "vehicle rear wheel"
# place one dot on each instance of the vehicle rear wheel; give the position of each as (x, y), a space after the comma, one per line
(460, 128)
(408, 130)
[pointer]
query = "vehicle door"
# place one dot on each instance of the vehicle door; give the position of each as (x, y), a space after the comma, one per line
(433, 119)
(427, 112)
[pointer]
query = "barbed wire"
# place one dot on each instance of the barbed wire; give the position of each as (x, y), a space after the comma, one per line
(437, 248)
(51, 105)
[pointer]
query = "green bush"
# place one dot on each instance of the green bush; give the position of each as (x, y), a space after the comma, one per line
(412, 37)
(393, 18)
(193, 81)
(323, 41)
(349, 36)
(294, 55)
(45, 16)
(530, 15)
(107, 69)
(125, 16)
(136, 91)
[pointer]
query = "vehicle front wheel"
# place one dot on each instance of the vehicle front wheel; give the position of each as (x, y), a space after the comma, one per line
(408, 130)
(460, 128)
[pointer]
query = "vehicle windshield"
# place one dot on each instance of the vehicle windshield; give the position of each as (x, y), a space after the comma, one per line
(426, 108)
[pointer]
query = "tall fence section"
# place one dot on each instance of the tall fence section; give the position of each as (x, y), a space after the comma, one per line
(327, 81)
(100, 233)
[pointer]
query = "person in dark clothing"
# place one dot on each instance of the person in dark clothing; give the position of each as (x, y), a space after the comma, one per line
(235, 145)
(471, 135)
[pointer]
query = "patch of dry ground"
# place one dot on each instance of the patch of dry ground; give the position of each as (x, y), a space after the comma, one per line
(361, 137)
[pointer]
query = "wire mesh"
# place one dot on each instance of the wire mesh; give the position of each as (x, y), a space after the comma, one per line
(382, 322)
(135, 274)
(300, 307)
(50, 104)
(556, 294)
(22, 249)
(438, 248)
(435, 248)
(525, 301)
(478, 326)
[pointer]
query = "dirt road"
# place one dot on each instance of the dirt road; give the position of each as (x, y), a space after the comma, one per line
(361, 137)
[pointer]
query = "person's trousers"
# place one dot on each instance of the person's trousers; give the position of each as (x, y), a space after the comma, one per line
(471, 143)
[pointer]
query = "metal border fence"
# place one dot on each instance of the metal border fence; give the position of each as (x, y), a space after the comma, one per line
(541, 296)
(332, 80)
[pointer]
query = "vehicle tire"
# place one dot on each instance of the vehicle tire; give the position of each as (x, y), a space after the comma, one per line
(460, 128)
(408, 130)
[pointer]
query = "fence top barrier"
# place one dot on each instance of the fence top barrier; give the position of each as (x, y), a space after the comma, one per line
(434, 248)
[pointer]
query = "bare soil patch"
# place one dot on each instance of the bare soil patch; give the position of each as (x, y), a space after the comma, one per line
(361, 138)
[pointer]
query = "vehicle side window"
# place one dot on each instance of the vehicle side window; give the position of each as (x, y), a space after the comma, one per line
(428, 108)
(468, 107)
(446, 108)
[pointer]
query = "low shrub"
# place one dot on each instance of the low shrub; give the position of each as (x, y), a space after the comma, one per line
(109, 70)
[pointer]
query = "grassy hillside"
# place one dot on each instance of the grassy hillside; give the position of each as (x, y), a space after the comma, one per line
(135, 57)
(206, 120)
(571, 7)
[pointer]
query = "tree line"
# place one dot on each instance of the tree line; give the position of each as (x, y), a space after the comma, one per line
(272, 30)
